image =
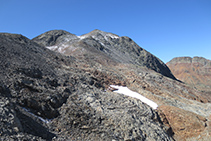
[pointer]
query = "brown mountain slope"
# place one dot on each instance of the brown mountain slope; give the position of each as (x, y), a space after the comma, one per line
(194, 71)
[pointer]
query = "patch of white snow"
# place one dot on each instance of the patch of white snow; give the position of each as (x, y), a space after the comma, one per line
(60, 49)
(52, 47)
(113, 36)
(82, 37)
(128, 92)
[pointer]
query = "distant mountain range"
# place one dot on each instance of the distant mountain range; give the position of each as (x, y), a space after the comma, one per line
(59, 86)
(194, 71)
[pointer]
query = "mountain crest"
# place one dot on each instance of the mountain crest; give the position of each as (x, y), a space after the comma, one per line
(96, 34)
(119, 49)
(193, 71)
(53, 37)
(15, 37)
(195, 59)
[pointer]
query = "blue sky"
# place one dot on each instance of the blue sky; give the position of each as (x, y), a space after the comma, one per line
(166, 28)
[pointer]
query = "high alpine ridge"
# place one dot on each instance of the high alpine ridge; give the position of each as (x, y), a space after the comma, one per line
(59, 86)
(194, 71)
(119, 49)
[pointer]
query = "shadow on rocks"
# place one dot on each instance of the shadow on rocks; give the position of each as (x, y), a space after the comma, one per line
(31, 126)
(4, 91)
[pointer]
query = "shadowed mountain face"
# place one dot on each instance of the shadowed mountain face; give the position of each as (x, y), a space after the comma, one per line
(119, 49)
(65, 94)
(194, 71)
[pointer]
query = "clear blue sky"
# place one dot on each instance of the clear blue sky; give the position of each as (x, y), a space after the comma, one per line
(166, 28)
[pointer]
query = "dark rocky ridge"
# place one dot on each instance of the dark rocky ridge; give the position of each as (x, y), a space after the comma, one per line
(45, 95)
(121, 49)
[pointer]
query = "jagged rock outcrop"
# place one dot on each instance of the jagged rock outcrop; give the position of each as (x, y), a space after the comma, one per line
(194, 71)
(45, 95)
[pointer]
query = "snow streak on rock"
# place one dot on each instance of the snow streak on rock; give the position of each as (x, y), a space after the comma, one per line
(128, 92)
(42, 119)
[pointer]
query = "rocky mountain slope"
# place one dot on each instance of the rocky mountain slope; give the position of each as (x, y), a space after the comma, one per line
(194, 71)
(119, 49)
(65, 94)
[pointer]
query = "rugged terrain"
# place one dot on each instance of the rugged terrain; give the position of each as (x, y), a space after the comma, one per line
(57, 87)
(194, 71)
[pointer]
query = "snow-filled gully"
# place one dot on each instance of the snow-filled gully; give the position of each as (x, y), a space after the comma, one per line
(128, 92)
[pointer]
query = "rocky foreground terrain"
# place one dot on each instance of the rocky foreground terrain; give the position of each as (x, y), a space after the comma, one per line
(57, 87)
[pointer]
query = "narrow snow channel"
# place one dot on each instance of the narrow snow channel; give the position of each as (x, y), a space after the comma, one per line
(42, 119)
(128, 92)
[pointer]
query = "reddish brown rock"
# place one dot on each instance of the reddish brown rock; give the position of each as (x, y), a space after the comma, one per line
(184, 124)
(193, 71)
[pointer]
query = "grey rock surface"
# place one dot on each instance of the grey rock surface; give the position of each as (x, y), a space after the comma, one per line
(121, 49)
(44, 95)
(47, 95)
(97, 115)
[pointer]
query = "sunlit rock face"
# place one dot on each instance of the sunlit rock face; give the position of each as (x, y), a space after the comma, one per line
(194, 71)
(57, 86)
